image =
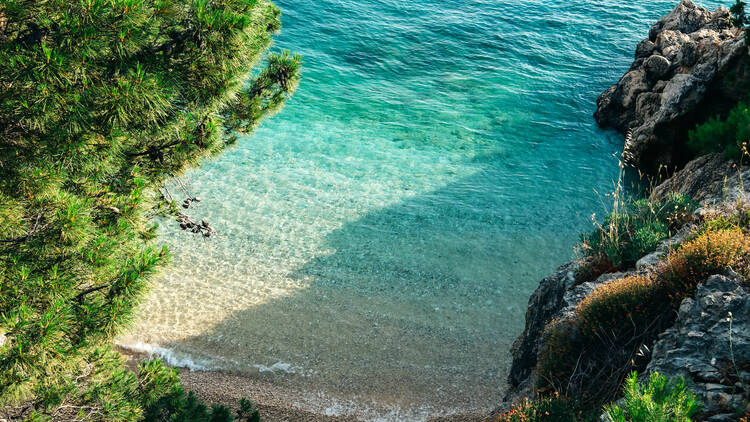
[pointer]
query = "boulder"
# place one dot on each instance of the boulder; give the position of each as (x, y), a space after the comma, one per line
(656, 66)
(683, 73)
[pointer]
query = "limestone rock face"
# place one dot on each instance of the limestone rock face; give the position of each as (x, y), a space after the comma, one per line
(699, 347)
(544, 304)
(680, 75)
(711, 179)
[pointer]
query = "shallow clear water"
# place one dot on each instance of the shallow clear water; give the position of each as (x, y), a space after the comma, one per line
(379, 238)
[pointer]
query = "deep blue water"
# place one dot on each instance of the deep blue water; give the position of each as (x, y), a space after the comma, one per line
(379, 238)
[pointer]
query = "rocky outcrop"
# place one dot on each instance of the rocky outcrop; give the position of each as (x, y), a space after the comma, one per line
(545, 303)
(555, 299)
(709, 346)
(712, 180)
(690, 67)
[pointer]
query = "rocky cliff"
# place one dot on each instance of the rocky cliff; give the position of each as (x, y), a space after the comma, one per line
(697, 347)
(692, 66)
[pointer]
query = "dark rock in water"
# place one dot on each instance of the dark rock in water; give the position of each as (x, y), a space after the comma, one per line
(699, 347)
(688, 69)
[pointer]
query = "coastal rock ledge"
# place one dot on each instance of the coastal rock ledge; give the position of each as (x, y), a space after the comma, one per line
(692, 66)
(702, 346)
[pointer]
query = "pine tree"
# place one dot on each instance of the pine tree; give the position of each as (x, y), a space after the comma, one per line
(739, 17)
(101, 102)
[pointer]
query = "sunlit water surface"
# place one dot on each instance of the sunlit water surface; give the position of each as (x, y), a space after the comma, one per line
(379, 238)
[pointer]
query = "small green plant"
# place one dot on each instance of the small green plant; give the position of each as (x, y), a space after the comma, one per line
(628, 234)
(658, 399)
(728, 135)
(739, 17)
(163, 399)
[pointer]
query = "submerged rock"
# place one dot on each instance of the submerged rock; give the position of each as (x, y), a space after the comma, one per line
(687, 70)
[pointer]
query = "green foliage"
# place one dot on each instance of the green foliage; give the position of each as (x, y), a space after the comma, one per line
(101, 102)
(728, 135)
(163, 399)
(739, 16)
(659, 400)
(627, 235)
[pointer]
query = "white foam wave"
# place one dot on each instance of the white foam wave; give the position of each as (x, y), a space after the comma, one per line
(170, 357)
(283, 367)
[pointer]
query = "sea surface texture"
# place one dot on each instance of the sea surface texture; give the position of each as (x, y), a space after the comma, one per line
(378, 240)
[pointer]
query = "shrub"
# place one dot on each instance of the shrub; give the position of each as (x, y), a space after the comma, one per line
(723, 135)
(710, 253)
(546, 409)
(739, 16)
(658, 400)
(562, 350)
(620, 308)
(626, 236)
(163, 399)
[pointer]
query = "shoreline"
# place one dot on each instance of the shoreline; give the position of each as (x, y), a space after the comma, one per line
(275, 403)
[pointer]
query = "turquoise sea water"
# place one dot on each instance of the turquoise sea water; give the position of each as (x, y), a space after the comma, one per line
(379, 238)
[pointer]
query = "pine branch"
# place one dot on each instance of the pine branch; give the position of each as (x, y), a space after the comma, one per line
(154, 152)
(80, 296)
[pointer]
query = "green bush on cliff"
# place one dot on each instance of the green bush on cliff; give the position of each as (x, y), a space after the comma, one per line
(739, 16)
(630, 233)
(102, 101)
(726, 135)
(658, 399)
